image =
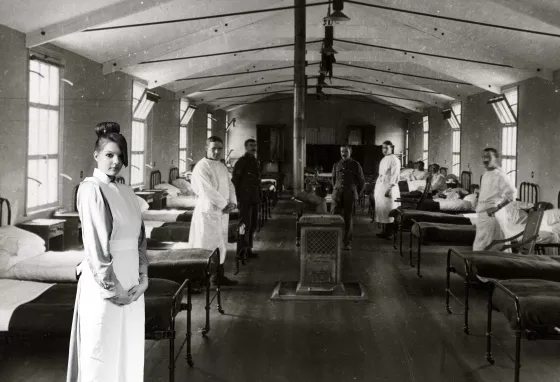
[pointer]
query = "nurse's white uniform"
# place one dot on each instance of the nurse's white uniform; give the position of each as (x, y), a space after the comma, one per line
(389, 170)
(107, 340)
(209, 226)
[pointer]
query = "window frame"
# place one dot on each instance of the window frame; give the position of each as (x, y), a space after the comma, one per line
(455, 122)
(53, 61)
(406, 143)
(508, 115)
(183, 134)
(426, 139)
(209, 122)
(138, 110)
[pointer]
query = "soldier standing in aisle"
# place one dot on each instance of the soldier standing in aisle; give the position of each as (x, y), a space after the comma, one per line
(348, 183)
(247, 182)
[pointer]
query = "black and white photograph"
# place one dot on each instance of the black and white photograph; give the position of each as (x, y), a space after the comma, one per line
(279, 191)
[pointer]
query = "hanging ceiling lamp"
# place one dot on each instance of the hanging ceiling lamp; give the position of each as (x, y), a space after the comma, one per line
(337, 15)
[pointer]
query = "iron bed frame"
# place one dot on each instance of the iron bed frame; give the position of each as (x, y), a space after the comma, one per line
(519, 333)
(528, 238)
(213, 258)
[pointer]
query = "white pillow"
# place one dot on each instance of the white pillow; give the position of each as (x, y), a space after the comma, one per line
(144, 206)
(472, 199)
(171, 190)
(17, 244)
(184, 186)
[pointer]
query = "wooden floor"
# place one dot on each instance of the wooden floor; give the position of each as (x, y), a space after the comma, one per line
(401, 334)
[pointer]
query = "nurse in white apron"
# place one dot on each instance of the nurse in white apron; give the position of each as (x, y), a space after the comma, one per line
(387, 189)
(107, 340)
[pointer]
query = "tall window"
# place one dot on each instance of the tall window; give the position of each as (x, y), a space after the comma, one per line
(186, 113)
(43, 136)
(405, 158)
(142, 102)
(455, 122)
(138, 147)
(426, 130)
(506, 107)
(208, 125)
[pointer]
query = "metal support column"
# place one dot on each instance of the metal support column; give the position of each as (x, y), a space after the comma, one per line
(299, 95)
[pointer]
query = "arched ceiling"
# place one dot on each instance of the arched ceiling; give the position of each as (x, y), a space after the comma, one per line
(406, 60)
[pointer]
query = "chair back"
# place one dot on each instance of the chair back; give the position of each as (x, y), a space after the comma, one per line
(529, 192)
(426, 191)
(531, 231)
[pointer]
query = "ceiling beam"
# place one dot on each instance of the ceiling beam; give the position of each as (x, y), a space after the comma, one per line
(203, 39)
(87, 20)
(462, 45)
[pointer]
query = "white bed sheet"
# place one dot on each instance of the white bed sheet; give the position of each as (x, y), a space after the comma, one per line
(150, 225)
(48, 266)
(57, 266)
(184, 202)
(457, 205)
(165, 215)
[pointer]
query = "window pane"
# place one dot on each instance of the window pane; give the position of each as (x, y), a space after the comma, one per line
(32, 186)
(137, 169)
(54, 85)
(53, 132)
(182, 137)
(183, 107)
(34, 80)
(137, 90)
(182, 161)
(43, 176)
(44, 82)
(43, 143)
(33, 141)
(52, 181)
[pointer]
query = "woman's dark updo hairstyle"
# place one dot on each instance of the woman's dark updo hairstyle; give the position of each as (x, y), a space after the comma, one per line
(391, 145)
(111, 131)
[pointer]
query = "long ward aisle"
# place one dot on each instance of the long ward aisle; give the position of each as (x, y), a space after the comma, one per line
(401, 334)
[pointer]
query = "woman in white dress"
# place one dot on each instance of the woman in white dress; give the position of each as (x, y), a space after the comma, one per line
(107, 340)
(387, 189)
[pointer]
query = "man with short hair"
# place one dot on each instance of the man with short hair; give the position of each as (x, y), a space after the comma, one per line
(496, 192)
(247, 182)
(348, 182)
(216, 199)
(419, 173)
(439, 183)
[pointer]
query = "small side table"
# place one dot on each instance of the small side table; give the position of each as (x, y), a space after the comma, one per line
(72, 228)
(148, 196)
(50, 230)
(160, 199)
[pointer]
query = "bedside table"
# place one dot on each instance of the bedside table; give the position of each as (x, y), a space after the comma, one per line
(50, 230)
(72, 228)
(160, 199)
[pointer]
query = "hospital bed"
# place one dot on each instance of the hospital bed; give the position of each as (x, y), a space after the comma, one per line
(32, 308)
(180, 202)
(168, 261)
(480, 266)
(532, 308)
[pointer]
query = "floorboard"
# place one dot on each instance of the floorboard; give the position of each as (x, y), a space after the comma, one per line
(402, 333)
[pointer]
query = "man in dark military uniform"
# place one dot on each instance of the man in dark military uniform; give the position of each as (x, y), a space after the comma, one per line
(247, 181)
(348, 182)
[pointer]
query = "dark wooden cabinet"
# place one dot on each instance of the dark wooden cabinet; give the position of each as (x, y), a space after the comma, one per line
(270, 143)
(361, 135)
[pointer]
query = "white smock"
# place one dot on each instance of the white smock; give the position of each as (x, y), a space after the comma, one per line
(389, 170)
(494, 188)
(214, 189)
(107, 341)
